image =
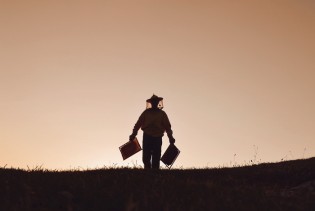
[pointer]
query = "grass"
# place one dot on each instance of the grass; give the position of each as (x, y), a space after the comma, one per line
(288, 185)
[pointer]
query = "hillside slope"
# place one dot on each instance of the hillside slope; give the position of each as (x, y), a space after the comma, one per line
(287, 185)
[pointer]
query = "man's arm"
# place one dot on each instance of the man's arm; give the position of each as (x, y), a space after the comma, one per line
(168, 129)
(137, 126)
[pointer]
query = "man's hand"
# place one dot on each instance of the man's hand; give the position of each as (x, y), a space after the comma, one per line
(132, 137)
(172, 140)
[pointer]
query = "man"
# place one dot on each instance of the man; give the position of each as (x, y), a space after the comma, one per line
(154, 122)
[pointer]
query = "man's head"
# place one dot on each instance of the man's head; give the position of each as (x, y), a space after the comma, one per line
(154, 101)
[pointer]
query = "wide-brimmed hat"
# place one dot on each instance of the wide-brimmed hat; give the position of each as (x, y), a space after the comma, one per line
(154, 98)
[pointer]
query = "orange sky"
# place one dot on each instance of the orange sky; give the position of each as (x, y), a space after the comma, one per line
(237, 78)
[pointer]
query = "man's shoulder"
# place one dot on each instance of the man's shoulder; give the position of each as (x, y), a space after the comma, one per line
(163, 113)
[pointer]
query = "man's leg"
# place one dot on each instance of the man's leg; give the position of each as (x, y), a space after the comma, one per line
(146, 154)
(156, 155)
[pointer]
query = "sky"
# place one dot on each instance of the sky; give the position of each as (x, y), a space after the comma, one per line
(237, 78)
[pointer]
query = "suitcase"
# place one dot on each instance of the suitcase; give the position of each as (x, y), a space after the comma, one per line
(130, 148)
(170, 155)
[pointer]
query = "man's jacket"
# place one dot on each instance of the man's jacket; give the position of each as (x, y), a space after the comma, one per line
(154, 122)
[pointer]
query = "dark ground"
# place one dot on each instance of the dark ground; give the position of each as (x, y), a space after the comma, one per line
(287, 185)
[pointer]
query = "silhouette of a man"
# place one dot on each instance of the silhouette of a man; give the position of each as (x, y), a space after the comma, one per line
(154, 122)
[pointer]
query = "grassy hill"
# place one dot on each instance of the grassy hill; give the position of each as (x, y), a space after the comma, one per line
(286, 185)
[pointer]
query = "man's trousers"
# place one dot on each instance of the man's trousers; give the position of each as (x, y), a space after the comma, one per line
(151, 151)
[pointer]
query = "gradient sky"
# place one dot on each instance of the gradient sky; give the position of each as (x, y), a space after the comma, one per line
(237, 77)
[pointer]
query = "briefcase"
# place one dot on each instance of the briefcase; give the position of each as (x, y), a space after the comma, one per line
(170, 155)
(130, 148)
